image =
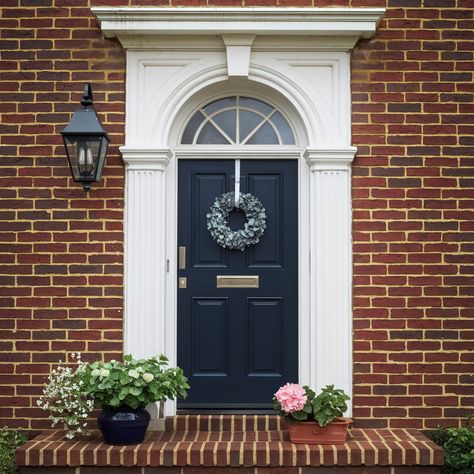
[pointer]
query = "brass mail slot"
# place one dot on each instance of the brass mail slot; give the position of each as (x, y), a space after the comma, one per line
(237, 281)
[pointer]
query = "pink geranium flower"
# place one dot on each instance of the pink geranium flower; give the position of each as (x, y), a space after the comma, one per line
(292, 397)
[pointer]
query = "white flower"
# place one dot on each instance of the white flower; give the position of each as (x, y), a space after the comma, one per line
(104, 372)
(133, 373)
(147, 377)
(65, 399)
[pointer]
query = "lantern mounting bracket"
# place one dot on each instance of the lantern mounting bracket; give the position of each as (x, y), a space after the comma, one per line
(87, 96)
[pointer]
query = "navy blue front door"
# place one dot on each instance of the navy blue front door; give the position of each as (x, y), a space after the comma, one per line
(238, 345)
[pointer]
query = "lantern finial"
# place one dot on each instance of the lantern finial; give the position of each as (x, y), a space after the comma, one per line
(87, 96)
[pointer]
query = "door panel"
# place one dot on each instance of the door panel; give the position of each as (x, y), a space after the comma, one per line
(269, 251)
(238, 345)
(204, 187)
(210, 318)
(264, 336)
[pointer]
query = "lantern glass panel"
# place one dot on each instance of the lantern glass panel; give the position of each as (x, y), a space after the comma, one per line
(84, 155)
(104, 143)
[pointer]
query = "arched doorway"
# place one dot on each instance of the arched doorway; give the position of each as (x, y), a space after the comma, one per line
(237, 309)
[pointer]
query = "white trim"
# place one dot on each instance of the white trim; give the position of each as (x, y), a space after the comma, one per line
(222, 153)
(145, 158)
(331, 266)
(330, 159)
(122, 21)
(171, 72)
(238, 54)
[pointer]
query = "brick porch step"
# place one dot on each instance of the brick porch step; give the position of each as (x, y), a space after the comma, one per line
(225, 423)
(223, 444)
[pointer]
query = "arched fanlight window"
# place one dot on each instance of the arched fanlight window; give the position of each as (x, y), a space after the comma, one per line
(238, 121)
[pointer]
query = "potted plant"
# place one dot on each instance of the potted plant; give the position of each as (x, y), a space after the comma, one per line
(124, 389)
(66, 398)
(313, 419)
(121, 389)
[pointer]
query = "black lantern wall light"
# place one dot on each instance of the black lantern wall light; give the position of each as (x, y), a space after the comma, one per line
(86, 142)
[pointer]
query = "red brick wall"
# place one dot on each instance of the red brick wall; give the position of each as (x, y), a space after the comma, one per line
(61, 274)
(413, 121)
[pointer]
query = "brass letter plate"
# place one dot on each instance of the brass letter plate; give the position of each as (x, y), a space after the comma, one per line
(237, 281)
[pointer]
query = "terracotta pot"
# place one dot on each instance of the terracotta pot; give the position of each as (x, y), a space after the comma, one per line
(309, 432)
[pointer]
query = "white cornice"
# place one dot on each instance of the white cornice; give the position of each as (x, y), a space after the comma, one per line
(330, 159)
(146, 158)
(123, 21)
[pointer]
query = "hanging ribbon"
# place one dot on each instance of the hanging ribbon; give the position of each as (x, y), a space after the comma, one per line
(237, 183)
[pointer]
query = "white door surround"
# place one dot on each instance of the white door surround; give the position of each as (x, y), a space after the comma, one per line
(259, 52)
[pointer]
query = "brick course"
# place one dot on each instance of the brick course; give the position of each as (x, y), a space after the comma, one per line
(61, 251)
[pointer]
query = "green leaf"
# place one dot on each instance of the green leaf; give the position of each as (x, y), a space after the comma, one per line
(300, 415)
(135, 391)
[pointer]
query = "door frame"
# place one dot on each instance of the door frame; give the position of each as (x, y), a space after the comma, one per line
(166, 67)
(325, 254)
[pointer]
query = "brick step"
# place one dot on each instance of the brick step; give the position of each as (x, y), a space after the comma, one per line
(225, 423)
(234, 470)
(187, 451)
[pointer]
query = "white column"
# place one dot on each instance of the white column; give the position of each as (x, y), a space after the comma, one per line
(330, 331)
(145, 251)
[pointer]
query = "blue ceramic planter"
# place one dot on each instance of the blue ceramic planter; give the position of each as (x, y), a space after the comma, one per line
(123, 425)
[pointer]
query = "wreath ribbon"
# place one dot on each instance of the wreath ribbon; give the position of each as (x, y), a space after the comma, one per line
(237, 183)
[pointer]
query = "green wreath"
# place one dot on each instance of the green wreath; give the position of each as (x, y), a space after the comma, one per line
(218, 221)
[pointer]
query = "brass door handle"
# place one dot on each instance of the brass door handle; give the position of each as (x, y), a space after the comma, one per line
(182, 258)
(182, 282)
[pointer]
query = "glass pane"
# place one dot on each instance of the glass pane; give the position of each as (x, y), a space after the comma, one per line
(83, 154)
(100, 163)
(211, 136)
(219, 105)
(254, 104)
(248, 121)
(191, 127)
(283, 128)
(250, 113)
(265, 135)
(227, 121)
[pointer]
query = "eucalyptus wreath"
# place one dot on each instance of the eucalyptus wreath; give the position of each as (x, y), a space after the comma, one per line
(218, 221)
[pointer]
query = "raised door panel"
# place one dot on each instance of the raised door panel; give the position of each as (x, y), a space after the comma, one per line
(264, 336)
(204, 189)
(209, 341)
(268, 187)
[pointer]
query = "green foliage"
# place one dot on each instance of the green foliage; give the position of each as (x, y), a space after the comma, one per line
(10, 439)
(458, 445)
(134, 383)
(329, 404)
